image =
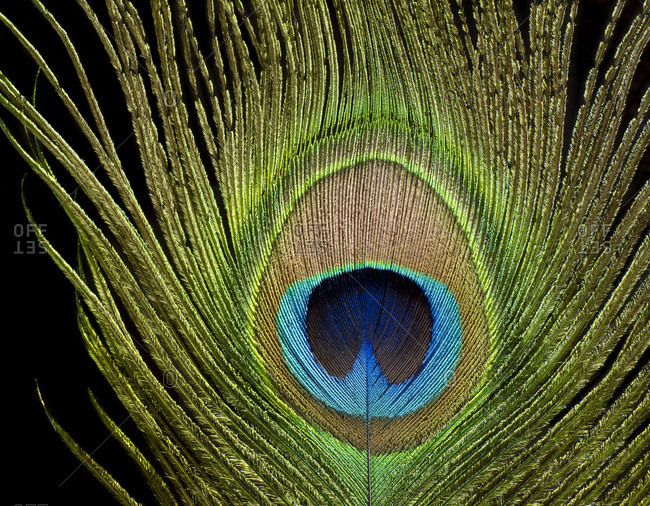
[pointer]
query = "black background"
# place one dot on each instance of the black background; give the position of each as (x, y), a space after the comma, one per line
(41, 339)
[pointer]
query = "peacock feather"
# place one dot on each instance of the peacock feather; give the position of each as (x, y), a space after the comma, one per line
(382, 261)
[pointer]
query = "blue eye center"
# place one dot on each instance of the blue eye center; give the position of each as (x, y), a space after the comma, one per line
(384, 310)
(368, 341)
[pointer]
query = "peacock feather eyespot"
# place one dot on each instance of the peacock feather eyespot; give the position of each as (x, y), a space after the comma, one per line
(369, 305)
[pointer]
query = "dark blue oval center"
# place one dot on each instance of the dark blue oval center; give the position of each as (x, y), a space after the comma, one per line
(383, 307)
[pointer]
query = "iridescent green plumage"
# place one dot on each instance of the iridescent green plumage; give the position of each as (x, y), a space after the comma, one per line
(409, 138)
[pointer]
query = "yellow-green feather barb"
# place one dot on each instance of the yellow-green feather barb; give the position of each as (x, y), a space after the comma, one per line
(383, 256)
